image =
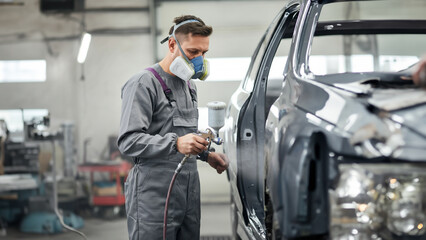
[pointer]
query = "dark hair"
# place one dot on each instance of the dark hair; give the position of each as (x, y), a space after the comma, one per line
(195, 28)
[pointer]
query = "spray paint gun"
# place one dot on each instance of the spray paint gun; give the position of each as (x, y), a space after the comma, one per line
(216, 116)
(210, 136)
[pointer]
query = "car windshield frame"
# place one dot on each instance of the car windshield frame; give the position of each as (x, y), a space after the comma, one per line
(351, 27)
(309, 26)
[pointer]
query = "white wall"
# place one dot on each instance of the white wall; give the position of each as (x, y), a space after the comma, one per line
(237, 25)
(112, 59)
(59, 92)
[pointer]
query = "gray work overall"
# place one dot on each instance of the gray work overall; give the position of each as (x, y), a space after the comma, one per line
(148, 181)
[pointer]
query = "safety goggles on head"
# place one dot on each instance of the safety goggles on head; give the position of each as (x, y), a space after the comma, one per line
(183, 67)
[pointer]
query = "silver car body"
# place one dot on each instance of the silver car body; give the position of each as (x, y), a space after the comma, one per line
(290, 142)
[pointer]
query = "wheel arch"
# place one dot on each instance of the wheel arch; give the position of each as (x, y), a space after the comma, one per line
(303, 167)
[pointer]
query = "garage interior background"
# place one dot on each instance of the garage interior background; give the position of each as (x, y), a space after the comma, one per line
(125, 40)
(123, 43)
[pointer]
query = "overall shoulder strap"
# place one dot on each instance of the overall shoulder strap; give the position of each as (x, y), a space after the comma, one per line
(166, 90)
(192, 92)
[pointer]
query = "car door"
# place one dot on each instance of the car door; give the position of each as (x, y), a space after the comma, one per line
(230, 136)
(238, 100)
(250, 128)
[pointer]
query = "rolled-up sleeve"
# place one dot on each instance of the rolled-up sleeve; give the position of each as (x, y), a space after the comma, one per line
(138, 102)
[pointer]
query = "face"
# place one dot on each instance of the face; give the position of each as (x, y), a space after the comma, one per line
(193, 46)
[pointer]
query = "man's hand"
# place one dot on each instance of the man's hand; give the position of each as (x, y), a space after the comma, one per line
(419, 76)
(191, 144)
(218, 161)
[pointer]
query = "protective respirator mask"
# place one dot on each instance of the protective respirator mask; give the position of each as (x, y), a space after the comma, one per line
(196, 68)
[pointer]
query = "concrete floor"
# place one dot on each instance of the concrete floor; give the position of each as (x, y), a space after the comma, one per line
(215, 221)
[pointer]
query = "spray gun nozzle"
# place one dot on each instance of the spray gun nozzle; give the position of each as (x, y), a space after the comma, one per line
(210, 135)
(217, 140)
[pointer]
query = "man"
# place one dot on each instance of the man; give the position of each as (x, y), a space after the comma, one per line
(158, 122)
(419, 75)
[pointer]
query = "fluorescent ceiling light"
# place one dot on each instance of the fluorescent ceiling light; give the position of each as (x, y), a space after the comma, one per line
(84, 47)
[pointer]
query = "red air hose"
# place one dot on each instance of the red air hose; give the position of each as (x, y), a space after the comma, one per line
(167, 204)
(179, 167)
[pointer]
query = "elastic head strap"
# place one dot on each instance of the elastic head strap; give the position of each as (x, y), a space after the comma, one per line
(174, 36)
(176, 26)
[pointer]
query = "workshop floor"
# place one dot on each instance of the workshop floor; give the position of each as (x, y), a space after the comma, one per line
(215, 221)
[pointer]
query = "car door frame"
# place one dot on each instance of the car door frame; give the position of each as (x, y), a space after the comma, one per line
(251, 135)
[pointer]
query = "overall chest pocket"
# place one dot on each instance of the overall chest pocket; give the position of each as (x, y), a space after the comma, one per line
(185, 120)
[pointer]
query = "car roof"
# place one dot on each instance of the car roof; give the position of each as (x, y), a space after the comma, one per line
(291, 2)
(331, 1)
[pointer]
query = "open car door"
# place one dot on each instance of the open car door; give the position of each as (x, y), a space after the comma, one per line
(251, 128)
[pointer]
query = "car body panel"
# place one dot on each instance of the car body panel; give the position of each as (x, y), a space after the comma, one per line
(289, 154)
